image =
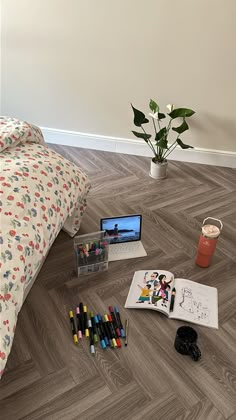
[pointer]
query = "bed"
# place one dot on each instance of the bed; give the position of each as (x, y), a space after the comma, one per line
(40, 193)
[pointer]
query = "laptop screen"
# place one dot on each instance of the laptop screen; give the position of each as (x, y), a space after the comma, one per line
(122, 228)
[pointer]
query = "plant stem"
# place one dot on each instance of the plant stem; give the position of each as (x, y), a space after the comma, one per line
(160, 150)
(170, 151)
(169, 148)
(154, 124)
(169, 125)
(149, 143)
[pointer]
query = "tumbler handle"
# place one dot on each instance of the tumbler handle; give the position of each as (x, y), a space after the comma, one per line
(212, 218)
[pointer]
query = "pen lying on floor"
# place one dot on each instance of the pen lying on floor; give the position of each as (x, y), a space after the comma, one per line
(126, 332)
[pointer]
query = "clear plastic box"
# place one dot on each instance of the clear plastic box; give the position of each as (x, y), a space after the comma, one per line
(91, 253)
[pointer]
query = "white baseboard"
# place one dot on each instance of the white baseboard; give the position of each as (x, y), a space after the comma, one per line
(136, 147)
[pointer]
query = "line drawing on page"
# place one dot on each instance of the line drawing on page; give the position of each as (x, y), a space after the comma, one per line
(194, 305)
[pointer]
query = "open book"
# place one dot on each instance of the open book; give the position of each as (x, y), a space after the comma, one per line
(177, 298)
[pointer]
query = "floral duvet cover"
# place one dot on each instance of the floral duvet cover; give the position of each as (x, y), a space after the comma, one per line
(40, 193)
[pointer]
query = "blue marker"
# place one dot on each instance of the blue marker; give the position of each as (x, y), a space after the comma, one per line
(102, 342)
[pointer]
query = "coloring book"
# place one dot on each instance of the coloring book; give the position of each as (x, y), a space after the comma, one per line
(175, 297)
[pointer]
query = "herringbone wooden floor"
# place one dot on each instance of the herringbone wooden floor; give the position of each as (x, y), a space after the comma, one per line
(48, 377)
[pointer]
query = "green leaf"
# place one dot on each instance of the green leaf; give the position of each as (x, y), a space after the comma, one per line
(161, 134)
(143, 136)
(181, 112)
(153, 106)
(161, 115)
(183, 127)
(162, 143)
(183, 146)
(139, 117)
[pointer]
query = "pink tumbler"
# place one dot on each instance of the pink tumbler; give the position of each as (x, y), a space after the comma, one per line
(207, 241)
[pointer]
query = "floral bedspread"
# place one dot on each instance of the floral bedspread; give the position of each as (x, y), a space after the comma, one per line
(40, 192)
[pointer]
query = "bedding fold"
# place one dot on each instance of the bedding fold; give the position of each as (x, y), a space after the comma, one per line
(40, 192)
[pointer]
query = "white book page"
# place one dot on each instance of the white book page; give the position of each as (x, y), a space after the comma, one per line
(196, 303)
(150, 289)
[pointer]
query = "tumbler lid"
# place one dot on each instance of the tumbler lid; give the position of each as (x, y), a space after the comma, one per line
(210, 231)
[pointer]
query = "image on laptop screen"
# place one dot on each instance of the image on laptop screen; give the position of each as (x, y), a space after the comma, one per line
(123, 228)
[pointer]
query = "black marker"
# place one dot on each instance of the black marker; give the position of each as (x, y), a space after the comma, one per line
(78, 322)
(119, 322)
(103, 330)
(115, 321)
(81, 309)
(73, 329)
(172, 301)
(95, 336)
(115, 340)
(86, 321)
(102, 341)
(107, 329)
(91, 337)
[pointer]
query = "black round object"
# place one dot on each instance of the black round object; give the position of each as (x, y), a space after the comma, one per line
(185, 342)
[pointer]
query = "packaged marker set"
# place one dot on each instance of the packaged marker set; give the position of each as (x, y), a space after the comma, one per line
(91, 253)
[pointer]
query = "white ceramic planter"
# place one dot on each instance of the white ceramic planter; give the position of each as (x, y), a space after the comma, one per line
(158, 170)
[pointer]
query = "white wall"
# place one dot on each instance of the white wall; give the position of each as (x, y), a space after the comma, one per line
(76, 65)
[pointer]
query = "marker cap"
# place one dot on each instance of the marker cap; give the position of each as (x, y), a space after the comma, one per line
(114, 342)
(122, 333)
(118, 342)
(79, 334)
(86, 332)
(106, 341)
(118, 332)
(75, 338)
(92, 349)
(103, 344)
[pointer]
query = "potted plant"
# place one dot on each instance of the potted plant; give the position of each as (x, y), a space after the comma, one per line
(162, 149)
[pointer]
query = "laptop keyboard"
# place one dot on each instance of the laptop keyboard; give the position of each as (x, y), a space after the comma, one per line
(124, 248)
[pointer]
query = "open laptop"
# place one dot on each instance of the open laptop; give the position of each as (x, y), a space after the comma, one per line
(124, 234)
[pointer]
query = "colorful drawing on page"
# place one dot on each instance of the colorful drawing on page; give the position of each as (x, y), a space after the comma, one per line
(151, 277)
(145, 293)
